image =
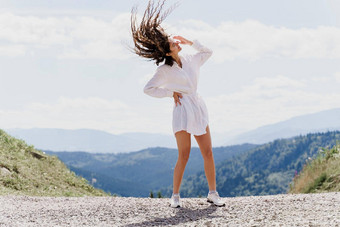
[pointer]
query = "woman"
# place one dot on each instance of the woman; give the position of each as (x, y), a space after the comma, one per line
(177, 78)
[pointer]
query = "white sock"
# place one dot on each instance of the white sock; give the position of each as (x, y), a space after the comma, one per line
(177, 194)
(212, 191)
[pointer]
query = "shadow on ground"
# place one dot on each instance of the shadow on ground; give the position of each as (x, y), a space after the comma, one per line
(183, 215)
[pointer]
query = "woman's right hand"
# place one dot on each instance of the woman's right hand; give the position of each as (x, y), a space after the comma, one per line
(182, 40)
(176, 96)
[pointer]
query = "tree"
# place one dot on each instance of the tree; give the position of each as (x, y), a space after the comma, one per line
(159, 194)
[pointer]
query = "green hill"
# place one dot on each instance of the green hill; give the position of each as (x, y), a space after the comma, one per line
(265, 170)
(26, 171)
(321, 174)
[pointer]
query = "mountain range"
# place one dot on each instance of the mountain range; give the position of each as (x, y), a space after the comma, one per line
(96, 141)
(328, 120)
(137, 173)
(241, 170)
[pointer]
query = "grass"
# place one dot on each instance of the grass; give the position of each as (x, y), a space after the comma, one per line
(27, 171)
(321, 174)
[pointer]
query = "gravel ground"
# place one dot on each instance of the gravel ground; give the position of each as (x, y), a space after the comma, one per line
(279, 210)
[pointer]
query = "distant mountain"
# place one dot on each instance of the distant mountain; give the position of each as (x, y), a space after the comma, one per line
(328, 120)
(89, 140)
(96, 141)
(137, 173)
(264, 170)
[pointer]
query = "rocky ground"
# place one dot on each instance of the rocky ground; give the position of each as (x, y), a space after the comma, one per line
(278, 210)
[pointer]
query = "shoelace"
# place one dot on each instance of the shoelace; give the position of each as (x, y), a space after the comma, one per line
(176, 198)
(217, 196)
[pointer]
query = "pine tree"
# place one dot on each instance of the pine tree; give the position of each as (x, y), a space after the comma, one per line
(159, 194)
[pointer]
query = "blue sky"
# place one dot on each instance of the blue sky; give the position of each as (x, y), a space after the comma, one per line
(65, 64)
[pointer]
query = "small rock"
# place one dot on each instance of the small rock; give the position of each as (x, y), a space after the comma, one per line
(4, 171)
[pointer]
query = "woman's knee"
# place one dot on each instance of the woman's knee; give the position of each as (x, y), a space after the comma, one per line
(184, 156)
(207, 153)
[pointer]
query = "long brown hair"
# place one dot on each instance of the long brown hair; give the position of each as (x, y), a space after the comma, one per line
(150, 39)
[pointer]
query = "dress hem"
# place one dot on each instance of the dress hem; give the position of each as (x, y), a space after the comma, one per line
(193, 133)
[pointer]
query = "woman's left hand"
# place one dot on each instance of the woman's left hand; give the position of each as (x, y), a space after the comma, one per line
(183, 40)
(177, 96)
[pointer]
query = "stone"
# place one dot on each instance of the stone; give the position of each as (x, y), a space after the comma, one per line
(4, 171)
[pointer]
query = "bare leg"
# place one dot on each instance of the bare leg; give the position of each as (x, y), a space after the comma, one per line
(184, 144)
(204, 142)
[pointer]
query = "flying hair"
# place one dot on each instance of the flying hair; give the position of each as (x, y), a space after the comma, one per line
(150, 39)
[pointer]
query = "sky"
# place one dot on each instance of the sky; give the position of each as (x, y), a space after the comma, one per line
(67, 64)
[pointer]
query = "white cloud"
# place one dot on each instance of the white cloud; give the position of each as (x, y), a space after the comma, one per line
(144, 79)
(70, 37)
(70, 113)
(95, 113)
(337, 76)
(100, 39)
(12, 50)
(267, 101)
(253, 40)
(92, 37)
(334, 5)
(34, 30)
(278, 82)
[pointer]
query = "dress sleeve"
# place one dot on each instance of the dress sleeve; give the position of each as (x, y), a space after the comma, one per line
(155, 87)
(203, 52)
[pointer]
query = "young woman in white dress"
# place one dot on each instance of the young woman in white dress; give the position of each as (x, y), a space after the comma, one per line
(177, 78)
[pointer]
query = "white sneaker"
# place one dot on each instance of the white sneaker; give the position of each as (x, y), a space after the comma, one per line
(175, 201)
(215, 199)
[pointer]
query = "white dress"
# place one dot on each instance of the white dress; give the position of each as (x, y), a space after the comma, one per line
(192, 115)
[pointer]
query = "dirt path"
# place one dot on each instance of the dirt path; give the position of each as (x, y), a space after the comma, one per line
(278, 210)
